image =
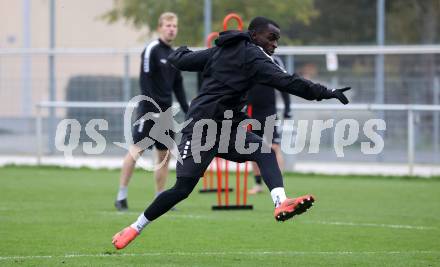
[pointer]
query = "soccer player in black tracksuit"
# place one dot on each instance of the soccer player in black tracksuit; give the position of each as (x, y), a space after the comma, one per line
(158, 79)
(262, 103)
(237, 62)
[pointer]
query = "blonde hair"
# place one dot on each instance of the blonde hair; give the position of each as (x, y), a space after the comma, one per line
(166, 16)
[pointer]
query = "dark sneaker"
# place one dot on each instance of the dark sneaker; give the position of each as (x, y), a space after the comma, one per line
(292, 207)
(121, 205)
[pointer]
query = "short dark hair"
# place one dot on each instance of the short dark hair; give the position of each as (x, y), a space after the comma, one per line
(261, 23)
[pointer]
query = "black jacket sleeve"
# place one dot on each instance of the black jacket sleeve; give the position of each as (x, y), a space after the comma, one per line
(150, 60)
(179, 92)
(261, 69)
(187, 60)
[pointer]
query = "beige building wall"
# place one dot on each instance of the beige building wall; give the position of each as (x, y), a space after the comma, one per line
(78, 25)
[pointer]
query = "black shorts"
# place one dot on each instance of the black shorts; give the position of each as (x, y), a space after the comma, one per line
(275, 137)
(195, 166)
(142, 130)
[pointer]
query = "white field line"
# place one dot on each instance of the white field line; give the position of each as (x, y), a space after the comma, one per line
(204, 217)
(226, 253)
(393, 226)
(169, 215)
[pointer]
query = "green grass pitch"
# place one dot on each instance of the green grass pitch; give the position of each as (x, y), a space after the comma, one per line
(65, 217)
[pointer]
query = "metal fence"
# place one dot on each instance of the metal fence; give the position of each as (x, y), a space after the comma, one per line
(409, 76)
(409, 145)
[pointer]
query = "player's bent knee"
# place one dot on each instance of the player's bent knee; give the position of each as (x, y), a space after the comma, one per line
(184, 194)
(184, 186)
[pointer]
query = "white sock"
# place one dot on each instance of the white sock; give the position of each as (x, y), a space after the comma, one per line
(122, 193)
(140, 223)
(278, 195)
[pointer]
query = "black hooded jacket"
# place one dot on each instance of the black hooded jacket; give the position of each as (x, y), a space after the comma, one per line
(230, 69)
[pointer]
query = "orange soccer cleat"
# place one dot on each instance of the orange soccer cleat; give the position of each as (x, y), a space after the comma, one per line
(292, 207)
(124, 237)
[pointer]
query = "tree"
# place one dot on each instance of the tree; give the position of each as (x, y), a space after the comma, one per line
(413, 22)
(145, 13)
(416, 22)
(345, 22)
(340, 22)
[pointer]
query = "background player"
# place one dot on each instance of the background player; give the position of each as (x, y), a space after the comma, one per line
(158, 79)
(262, 99)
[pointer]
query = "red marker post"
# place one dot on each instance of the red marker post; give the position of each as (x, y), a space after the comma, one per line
(238, 206)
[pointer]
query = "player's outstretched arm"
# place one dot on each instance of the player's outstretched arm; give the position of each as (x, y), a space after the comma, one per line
(264, 71)
(188, 60)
